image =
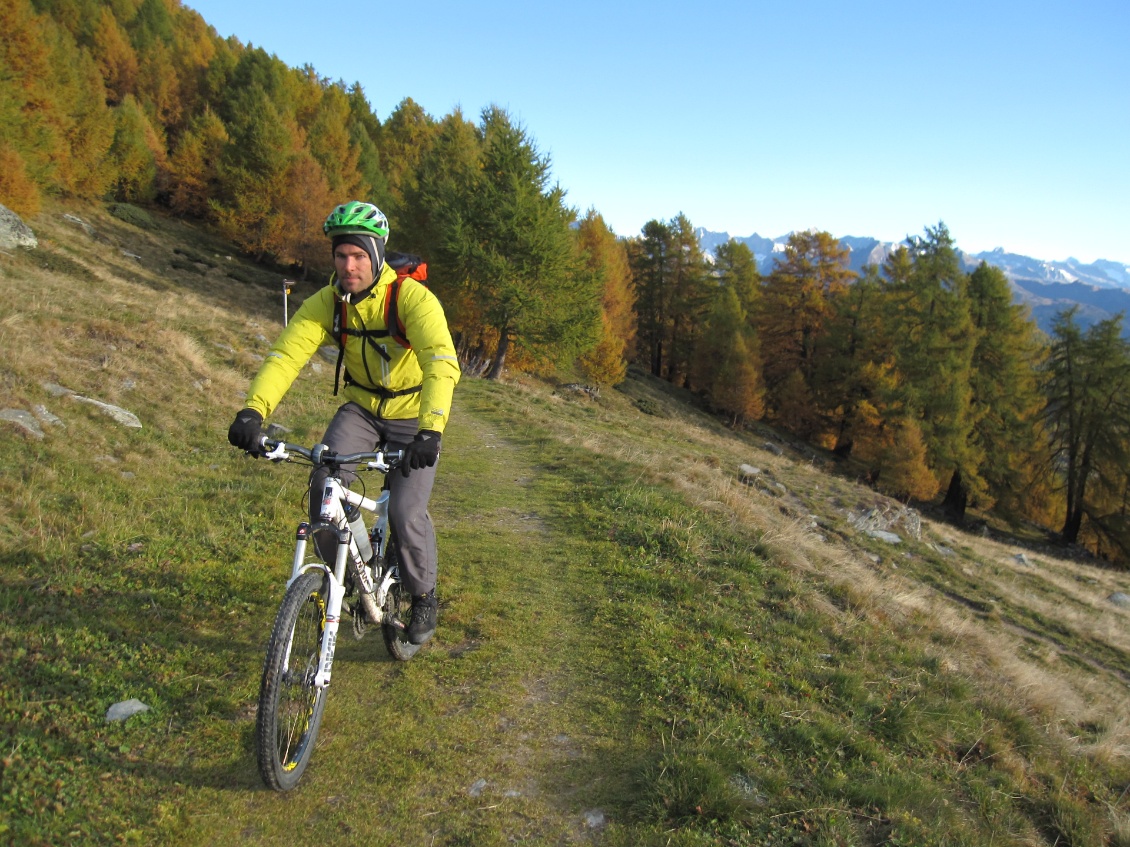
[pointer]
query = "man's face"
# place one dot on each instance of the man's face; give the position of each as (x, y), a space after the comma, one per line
(354, 269)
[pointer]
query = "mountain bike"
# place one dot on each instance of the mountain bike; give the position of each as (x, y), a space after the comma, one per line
(363, 580)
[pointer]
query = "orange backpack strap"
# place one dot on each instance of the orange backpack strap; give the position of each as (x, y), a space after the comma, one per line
(392, 313)
(407, 266)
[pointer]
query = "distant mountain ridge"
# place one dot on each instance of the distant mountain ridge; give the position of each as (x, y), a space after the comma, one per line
(1100, 290)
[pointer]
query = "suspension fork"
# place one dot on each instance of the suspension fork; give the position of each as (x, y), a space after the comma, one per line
(333, 611)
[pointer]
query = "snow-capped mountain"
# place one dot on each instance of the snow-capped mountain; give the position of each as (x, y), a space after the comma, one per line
(1100, 289)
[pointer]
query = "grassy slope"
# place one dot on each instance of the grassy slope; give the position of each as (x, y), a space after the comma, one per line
(634, 648)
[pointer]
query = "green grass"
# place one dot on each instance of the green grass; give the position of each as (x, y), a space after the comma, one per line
(616, 635)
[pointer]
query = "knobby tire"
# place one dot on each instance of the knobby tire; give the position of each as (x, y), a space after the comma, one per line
(399, 603)
(290, 707)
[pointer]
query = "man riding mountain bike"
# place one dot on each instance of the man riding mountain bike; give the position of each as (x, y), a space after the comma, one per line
(399, 382)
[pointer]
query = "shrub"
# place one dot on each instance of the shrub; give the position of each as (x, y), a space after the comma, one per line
(133, 215)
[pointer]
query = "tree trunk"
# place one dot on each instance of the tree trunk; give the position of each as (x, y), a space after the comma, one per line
(496, 366)
(1071, 526)
(957, 498)
(844, 442)
(1077, 478)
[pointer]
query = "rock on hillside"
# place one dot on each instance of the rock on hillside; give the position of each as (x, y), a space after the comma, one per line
(14, 232)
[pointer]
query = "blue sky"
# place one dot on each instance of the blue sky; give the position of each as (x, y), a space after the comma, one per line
(1009, 121)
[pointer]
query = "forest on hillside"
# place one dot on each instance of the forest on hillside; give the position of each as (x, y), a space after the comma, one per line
(923, 378)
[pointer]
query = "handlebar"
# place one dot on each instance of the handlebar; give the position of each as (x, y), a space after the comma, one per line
(321, 456)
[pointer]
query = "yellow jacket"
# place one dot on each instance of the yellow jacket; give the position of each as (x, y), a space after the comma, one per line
(431, 363)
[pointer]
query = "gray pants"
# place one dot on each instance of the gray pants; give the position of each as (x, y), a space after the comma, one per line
(356, 430)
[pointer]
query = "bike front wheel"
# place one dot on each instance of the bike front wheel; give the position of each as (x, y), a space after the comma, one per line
(290, 706)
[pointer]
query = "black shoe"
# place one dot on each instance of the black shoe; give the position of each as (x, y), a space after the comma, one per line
(423, 625)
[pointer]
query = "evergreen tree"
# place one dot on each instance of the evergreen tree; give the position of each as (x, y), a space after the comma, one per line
(726, 366)
(794, 322)
(1087, 390)
(690, 298)
(735, 267)
(672, 291)
(406, 137)
(933, 339)
(252, 172)
(328, 140)
(152, 24)
(858, 372)
(135, 153)
(651, 261)
(446, 174)
(1005, 398)
(193, 168)
(508, 242)
(365, 135)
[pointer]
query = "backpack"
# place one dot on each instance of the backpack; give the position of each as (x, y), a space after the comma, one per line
(407, 266)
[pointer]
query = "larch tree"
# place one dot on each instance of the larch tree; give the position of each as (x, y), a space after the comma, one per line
(305, 202)
(690, 298)
(507, 241)
(136, 153)
(406, 136)
(252, 171)
(1005, 398)
(87, 126)
(365, 135)
(934, 338)
(651, 259)
(859, 368)
(115, 56)
(328, 140)
(797, 308)
(606, 257)
(736, 267)
(1087, 391)
(29, 137)
(193, 167)
(726, 366)
(17, 191)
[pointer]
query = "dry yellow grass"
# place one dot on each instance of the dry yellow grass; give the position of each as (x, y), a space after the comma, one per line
(1022, 666)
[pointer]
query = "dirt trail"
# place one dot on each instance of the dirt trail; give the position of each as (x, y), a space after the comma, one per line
(483, 738)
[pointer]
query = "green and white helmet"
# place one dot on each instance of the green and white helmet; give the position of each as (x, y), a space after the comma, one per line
(357, 218)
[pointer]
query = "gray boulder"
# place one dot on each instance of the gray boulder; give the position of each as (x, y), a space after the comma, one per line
(25, 420)
(46, 417)
(14, 232)
(125, 418)
(889, 537)
(80, 223)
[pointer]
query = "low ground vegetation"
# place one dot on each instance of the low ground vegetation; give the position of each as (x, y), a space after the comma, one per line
(637, 645)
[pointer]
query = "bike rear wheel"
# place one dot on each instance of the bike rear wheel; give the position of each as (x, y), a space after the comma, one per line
(398, 610)
(290, 707)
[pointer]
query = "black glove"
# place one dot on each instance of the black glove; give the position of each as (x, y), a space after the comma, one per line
(245, 431)
(421, 453)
